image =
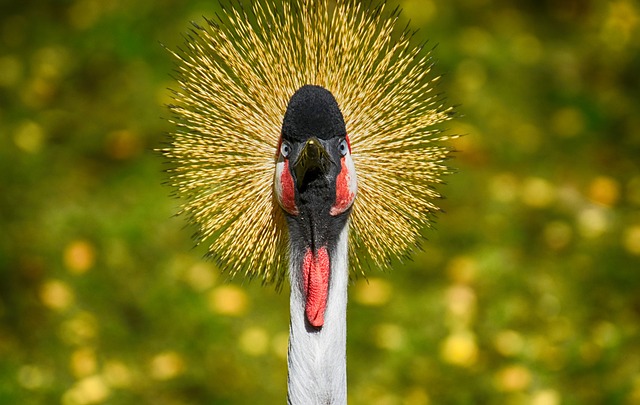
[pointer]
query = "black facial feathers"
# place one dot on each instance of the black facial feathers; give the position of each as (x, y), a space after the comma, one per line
(312, 111)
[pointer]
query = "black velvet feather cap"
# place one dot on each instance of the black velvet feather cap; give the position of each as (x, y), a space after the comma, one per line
(312, 111)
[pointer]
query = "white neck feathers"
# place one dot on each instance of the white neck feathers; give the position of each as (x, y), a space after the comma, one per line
(317, 357)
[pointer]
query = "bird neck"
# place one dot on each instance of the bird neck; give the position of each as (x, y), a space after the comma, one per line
(317, 356)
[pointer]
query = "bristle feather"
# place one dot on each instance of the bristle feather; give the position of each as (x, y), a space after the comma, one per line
(235, 77)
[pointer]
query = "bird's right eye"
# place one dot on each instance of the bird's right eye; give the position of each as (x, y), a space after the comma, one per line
(343, 147)
(285, 149)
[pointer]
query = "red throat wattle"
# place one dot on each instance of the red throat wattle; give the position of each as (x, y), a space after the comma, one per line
(315, 272)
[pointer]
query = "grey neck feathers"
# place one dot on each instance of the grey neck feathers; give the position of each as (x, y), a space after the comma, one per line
(317, 358)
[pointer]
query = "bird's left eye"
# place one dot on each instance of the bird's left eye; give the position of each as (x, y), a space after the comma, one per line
(285, 149)
(343, 147)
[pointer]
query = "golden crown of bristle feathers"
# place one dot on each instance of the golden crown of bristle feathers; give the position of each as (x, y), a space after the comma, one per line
(236, 76)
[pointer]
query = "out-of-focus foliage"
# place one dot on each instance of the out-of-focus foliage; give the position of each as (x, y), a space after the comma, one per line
(527, 293)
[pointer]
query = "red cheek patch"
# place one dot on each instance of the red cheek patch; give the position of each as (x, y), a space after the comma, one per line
(315, 273)
(344, 195)
(288, 198)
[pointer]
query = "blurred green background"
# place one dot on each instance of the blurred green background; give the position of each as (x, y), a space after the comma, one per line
(528, 292)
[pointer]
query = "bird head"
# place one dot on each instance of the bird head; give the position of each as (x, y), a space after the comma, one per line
(314, 171)
(243, 97)
(315, 184)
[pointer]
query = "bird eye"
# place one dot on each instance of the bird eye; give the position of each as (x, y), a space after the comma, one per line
(285, 149)
(343, 147)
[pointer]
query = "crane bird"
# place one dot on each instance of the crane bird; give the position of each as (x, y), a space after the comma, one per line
(272, 100)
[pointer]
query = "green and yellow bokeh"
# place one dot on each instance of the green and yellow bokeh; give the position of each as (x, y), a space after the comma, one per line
(528, 291)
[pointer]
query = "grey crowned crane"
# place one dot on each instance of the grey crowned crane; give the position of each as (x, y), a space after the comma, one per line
(305, 146)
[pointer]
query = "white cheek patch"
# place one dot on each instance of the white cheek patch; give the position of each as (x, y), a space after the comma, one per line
(353, 179)
(277, 182)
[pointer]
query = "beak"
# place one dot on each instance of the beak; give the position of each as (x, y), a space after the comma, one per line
(313, 156)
